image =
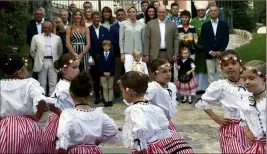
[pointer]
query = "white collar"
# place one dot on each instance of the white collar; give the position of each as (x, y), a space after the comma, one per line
(204, 18)
(106, 52)
(96, 27)
(164, 21)
(42, 21)
(214, 21)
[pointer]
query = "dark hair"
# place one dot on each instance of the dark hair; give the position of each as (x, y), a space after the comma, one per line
(185, 13)
(230, 52)
(147, 18)
(62, 61)
(87, 3)
(174, 4)
(96, 13)
(144, 2)
(120, 10)
(157, 63)
(137, 82)
(9, 64)
(111, 19)
(81, 85)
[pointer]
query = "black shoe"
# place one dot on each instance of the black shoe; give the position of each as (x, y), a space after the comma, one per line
(106, 104)
(110, 103)
(97, 101)
(177, 98)
(190, 101)
(184, 101)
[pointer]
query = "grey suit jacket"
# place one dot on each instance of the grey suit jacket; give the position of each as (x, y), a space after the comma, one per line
(37, 50)
(153, 39)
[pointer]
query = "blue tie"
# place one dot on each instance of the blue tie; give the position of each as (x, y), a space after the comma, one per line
(106, 55)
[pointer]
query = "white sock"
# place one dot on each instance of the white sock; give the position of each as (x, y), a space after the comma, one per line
(189, 98)
(184, 97)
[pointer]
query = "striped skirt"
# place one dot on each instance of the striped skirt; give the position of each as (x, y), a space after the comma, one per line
(85, 148)
(51, 133)
(154, 147)
(171, 125)
(258, 147)
(232, 138)
(20, 134)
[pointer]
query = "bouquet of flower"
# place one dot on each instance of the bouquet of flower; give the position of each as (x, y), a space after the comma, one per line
(188, 41)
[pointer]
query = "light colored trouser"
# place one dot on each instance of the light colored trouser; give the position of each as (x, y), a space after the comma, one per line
(107, 85)
(128, 62)
(48, 70)
(213, 66)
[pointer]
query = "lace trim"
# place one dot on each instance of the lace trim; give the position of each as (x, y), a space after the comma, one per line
(91, 115)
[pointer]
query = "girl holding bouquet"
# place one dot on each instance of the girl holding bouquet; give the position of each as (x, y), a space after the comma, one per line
(187, 33)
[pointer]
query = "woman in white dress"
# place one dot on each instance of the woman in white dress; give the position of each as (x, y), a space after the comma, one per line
(231, 94)
(145, 124)
(254, 115)
(82, 128)
(22, 104)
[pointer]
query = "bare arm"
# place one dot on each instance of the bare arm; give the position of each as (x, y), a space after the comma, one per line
(68, 44)
(218, 119)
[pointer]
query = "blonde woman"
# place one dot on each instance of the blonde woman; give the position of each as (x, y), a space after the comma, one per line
(88, 17)
(78, 39)
(131, 38)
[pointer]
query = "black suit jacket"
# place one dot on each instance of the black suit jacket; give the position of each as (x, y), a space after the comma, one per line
(114, 36)
(212, 42)
(106, 65)
(140, 16)
(31, 31)
(69, 17)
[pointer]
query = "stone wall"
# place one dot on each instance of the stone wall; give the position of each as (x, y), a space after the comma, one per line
(238, 38)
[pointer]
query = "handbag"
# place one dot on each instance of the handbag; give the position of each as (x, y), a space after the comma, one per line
(91, 60)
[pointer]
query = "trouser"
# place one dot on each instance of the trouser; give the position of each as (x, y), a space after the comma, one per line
(128, 62)
(107, 85)
(119, 69)
(213, 66)
(34, 74)
(94, 71)
(48, 74)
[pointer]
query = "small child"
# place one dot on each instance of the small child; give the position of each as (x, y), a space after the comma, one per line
(229, 93)
(186, 82)
(106, 69)
(254, 115)
(162, 93)
(138, 64)
(22, 104)
(68, 66)
(82, 128)
(145, 124)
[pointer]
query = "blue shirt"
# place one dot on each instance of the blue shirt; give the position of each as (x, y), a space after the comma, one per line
(177, 20)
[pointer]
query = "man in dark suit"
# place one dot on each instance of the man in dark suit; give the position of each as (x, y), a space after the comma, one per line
(35, 27)
(144, 5)
(114, 32)
(216, 37)
(72, 9)
(98, 34)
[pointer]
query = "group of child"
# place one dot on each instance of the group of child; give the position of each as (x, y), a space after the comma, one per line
(75, 127)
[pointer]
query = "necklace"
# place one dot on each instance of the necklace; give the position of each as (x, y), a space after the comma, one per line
(260, 92)
(234, 80)
(81, 104)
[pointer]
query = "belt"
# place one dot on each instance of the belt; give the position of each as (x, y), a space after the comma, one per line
(48, 57)
(162, 49)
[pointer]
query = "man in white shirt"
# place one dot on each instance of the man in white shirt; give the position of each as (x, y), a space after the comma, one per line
(161, 38)
(46, 48)
(216, 32)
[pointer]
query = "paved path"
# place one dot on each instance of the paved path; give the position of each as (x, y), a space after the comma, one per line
(193, 124)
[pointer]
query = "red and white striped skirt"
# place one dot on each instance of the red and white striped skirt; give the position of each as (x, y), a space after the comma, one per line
(187, 88)
(232, 138)
(176, 144)
(51, 133)
(154, 147)
(258, 147)
(20, 134)
(85, 148)
(171, 125)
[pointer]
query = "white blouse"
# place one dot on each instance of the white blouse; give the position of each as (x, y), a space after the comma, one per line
(140, 67)
(254, 115)
(145, 122)
(84, 127)
(20, 96)
(61, 97)
(165, 98)
(224, 94)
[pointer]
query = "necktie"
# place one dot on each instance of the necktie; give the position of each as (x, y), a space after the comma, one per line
(106, 55)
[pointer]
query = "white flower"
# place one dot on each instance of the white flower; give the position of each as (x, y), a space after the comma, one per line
(71, 61)
(220, 62)
(235, 58)
(240, 61)
(259, 73)
(65, 65)
(225, 58)
(60, 69)
(250, 68)
(6, 63)
(10, 59)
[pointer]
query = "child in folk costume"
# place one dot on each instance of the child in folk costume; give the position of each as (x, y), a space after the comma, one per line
(82, 128)
(254, 115)
(162, 93)
(138, 64)
(186, 82)
(231, 94)
(22, 104)
(144, 123)
(68, 66)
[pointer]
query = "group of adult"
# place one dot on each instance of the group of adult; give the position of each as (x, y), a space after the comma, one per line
(153, 32)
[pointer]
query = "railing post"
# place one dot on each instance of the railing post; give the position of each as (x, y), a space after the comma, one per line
(99, 5)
